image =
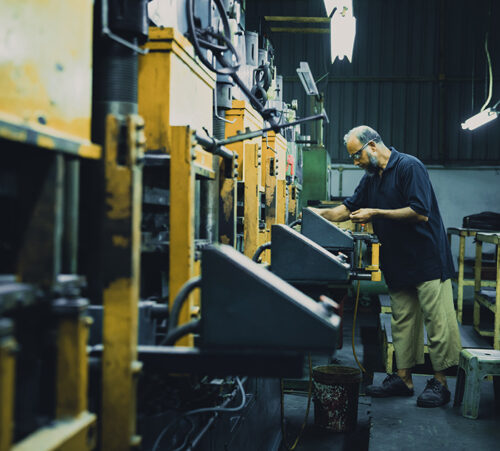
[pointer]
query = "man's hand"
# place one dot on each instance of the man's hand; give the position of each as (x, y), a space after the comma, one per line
(363, 215)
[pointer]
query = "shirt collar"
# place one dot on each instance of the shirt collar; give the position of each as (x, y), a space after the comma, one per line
(392, 159)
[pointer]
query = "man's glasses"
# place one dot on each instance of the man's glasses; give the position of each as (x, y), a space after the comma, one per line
(357, 155)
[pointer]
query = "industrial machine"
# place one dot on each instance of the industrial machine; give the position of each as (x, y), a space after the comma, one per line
(343, 243)
(148, 157)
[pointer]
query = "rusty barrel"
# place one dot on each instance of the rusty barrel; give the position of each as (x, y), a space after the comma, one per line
(336, 392)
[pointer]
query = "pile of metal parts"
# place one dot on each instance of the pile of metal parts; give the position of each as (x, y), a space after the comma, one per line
(144, 167)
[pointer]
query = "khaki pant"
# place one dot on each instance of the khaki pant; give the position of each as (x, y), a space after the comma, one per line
(431, 303)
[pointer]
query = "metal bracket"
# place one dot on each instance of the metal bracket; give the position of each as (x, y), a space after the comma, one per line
(268, 146)
(107, 32)
(215, 111)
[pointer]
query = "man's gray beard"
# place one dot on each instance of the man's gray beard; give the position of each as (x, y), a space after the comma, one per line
(372, 167)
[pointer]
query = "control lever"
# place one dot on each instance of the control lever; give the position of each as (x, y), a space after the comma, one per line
(342, 257)
(329, 304)
(216, 146)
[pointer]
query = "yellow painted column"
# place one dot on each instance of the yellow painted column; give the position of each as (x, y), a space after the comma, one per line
(120, 367)
(182, 218)
(249, 170)
(281, 214)
(168, 111)
(269, 179)
(251, 200)
(72, 369)
(7, 384)
(274, 154)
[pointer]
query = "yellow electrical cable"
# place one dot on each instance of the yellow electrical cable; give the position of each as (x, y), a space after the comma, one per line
(353, 329)
(356, 312)
(490, 72)
(291, 448)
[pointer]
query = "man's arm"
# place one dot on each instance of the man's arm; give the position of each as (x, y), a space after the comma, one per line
(406, 214)
(336, 214)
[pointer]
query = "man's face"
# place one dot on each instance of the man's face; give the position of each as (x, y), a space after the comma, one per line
(363, 156)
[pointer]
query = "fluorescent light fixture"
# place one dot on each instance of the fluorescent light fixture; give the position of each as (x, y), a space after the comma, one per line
(307, 80)
(342, 29)
(480, 119)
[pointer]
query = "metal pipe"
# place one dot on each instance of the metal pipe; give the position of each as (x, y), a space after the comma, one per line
(209, 208)
(59, 198)
(214, 146)
(341, 169)
(71, 201)
(244, 136)
(360, 276)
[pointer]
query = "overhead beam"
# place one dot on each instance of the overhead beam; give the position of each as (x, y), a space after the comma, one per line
(299, 30)
(297, 19)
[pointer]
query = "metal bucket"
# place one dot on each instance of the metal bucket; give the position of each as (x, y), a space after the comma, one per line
(336, 392)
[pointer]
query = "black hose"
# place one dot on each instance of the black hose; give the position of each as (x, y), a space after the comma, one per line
(217, 50)
(209, 423)
(200, 435)
(182, 295)
(174, 334)
(262, 76)
(259, 93)
(294, 223)
(259, 251)
(266, 114)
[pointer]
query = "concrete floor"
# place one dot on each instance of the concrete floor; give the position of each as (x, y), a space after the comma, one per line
(394, 423)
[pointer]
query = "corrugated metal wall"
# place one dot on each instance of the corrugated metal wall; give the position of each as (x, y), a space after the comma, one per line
(411, 78)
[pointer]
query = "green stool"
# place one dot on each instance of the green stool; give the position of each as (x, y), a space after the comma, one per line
(474, 365)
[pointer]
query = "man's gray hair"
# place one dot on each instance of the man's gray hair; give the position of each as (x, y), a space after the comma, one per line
(363, 133)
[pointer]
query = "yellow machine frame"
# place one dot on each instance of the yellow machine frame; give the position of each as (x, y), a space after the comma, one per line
(120, 367)
(249, 172)
(170, 119)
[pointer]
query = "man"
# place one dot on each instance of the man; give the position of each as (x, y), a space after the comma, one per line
(397, 196)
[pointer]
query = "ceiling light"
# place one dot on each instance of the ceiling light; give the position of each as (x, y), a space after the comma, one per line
(342, 31)
(305, 76)
(480, 119)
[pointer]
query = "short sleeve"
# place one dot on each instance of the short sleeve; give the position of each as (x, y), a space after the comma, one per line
(359, 198)
(416, 187)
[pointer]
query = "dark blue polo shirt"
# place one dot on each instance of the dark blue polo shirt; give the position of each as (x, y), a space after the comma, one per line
(410, 253)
